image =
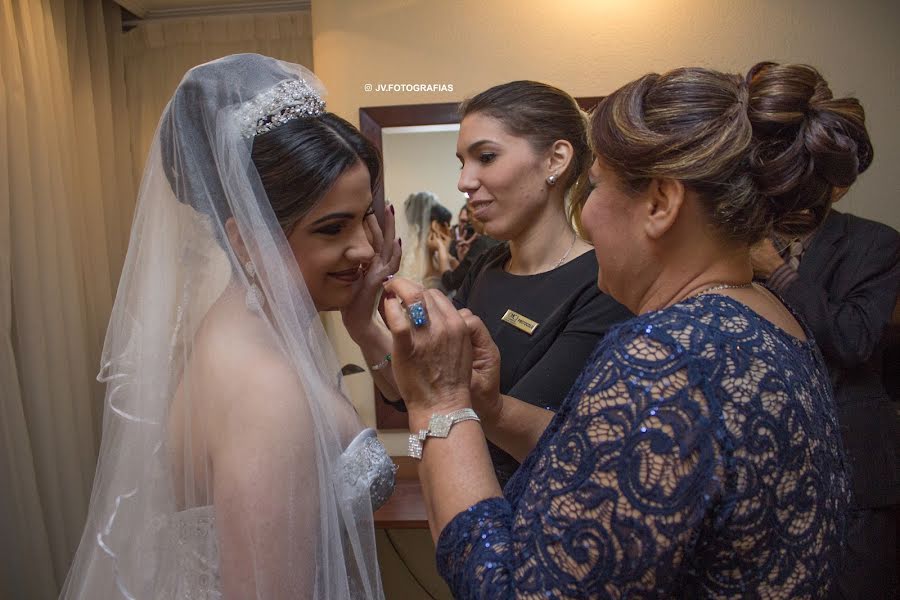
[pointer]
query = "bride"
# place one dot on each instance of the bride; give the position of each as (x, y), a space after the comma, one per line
(232, 464)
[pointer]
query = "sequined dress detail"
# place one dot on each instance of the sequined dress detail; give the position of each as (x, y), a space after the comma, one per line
(697, 456)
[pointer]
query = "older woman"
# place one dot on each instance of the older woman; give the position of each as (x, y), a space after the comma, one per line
(698, 454)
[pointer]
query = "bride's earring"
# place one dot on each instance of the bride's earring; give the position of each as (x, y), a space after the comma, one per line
(552, 179)
(255, 298)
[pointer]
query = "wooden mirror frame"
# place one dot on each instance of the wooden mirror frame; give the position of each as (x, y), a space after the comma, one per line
(372, 120)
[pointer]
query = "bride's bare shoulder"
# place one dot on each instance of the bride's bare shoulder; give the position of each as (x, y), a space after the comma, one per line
(247, 380)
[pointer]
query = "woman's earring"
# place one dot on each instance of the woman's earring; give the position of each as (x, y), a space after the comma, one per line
(552, 179)
(255, 298)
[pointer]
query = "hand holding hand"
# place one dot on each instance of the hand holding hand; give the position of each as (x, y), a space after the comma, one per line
(485, 383)
(463, 245)
(432, 363)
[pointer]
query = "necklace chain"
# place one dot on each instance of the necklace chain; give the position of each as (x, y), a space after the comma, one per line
(566, 255)
(725, 286)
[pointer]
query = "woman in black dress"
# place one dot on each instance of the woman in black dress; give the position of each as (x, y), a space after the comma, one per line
(524, 154)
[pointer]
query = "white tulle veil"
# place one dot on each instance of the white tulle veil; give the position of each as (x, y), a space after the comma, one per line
(417, 212)
(179, 265)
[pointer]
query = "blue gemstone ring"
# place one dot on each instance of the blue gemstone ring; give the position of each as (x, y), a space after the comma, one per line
(417, 314)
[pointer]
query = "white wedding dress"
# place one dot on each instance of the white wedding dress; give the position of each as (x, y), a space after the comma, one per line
(364, 465)
(299, 499)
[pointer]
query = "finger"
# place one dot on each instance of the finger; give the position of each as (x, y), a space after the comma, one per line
(395, 316)
(375, 230)
(442, 311)
(408, 291)
(478, 333)
(393, 264)
(396, 320)
(390, 232)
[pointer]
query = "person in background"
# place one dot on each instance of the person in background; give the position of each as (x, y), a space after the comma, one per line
(473, 243)
(428, 224)
(460, 231)
(843, 278)
(699, 454)
(438, 242)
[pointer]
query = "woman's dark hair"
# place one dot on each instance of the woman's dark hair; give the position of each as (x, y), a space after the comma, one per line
(441, 214)
(299, 161)
(806, 145)
(765, 152)
(541, 114)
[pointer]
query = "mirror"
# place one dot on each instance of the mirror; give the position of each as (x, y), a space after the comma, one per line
(418, 146)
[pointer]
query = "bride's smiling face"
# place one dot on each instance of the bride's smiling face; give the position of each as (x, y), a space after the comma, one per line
(332, 243)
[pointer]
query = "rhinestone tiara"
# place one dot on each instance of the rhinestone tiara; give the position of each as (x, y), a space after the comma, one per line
(289, 99)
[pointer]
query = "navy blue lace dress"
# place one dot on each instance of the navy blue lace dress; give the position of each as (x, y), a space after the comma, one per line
(697, 455)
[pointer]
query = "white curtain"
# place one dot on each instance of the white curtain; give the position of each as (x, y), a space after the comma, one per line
(157, 55)
(61, 245)
(79, 101)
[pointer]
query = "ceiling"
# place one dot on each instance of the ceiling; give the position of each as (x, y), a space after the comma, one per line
(166, 9)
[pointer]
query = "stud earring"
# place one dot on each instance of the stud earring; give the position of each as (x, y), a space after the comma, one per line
(255, 299)
(552, 179)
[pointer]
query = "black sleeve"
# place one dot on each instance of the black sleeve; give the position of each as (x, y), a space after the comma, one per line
(848, 328)
(549, 380)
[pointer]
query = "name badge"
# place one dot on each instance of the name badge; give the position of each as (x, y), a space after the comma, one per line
(519, 321)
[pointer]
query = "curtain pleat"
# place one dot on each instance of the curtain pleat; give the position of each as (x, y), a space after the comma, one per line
(158, 54)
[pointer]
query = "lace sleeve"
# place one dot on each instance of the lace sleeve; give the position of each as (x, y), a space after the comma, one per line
(613, 499)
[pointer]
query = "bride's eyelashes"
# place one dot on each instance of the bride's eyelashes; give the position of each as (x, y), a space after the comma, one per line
(337, 227)
(333, 229)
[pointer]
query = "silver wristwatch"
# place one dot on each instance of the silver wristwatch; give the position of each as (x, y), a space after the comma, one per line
(438, 426)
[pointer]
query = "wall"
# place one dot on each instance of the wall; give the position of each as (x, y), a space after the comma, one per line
(590, 47)
(159, 53)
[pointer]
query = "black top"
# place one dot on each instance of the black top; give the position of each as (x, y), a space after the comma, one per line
(845, 289)
(572, 316)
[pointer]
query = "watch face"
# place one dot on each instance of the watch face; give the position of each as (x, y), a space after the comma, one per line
(439, 426)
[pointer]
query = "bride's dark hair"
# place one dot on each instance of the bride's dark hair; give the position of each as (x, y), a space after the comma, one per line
(298, 161)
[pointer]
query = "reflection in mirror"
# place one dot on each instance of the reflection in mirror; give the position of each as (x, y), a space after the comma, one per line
(423, 171)
(414, 126)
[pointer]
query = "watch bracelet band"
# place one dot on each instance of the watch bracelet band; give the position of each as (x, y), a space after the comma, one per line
(438, 426)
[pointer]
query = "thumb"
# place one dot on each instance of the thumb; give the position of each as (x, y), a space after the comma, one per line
(397, 321)
(478, 333)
